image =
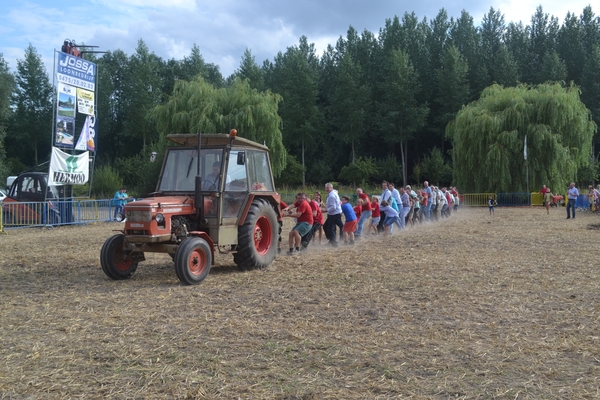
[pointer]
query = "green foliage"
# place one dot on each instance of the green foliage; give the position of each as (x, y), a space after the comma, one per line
(81, 190)
(197, 106)
(489, 135)
(589, 173)
(361, 171)
(388, 169)
(31, 120)
(434, 168)
(7, 86)
(139, 174)
(106, 182)
(320, 172)
(292, 174)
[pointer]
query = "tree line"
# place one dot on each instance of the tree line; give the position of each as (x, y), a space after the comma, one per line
(372, 106)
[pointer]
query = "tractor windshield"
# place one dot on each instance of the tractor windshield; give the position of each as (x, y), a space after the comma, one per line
(181, 167)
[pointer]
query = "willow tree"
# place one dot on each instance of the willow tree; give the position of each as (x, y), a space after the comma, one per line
(512, 138)
(197, 106)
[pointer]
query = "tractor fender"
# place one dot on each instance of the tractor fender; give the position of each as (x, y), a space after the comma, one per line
(204, 235)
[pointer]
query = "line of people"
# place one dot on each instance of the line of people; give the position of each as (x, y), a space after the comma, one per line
(375, 215)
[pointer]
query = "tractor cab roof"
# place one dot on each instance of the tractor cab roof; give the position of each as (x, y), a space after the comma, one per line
(213, 139)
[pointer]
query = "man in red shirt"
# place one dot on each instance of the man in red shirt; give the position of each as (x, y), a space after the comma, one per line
(304, 222)
(318, 221)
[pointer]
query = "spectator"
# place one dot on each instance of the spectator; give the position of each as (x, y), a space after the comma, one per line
(546, 198)
(572, 195)
(119, 200)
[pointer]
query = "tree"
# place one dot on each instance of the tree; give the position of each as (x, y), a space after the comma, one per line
(7, 85)
(144, 92)
(434, 168)
(350, 103)
(453, 87)
(251, 71)
(295, 77)
(553, 68)
(197, 106)
(505, 70)
(30, 133)
(112, 88)
(489, 138)
(400, 115)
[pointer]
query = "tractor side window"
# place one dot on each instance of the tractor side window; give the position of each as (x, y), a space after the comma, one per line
(237, 179)
(259, 171)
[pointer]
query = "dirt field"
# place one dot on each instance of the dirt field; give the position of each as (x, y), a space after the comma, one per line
(470, 308)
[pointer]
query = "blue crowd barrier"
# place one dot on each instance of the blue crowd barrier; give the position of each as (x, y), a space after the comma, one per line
(55, 213)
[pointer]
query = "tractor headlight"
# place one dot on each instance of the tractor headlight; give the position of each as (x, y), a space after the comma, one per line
(160, 218)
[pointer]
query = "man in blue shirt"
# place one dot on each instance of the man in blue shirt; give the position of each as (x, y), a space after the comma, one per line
(119, 200)
(572, 196)
(427, 209)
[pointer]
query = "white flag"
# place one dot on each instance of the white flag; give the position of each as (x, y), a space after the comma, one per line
(67, 169)
(86, 138)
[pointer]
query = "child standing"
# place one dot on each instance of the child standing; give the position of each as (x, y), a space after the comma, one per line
(351, 220)
(491, 205)
(375, 215)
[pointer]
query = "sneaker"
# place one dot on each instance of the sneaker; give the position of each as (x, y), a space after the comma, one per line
(291, 253)
(303, 249)
(351, 243)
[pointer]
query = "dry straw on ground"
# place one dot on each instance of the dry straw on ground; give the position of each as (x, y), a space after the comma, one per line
(473, 307)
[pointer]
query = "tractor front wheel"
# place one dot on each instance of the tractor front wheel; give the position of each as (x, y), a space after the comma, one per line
(193, 260)
(115, 264)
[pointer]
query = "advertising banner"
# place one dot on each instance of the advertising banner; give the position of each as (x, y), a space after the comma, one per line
(76, 71)
(65, 116)
(85, 101)
(67, 169)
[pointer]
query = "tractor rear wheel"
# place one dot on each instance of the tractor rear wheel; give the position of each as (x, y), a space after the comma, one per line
(115, 264)
(193, 260)
(257, 237)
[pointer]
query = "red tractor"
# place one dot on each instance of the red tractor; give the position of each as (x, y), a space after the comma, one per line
(215, 191)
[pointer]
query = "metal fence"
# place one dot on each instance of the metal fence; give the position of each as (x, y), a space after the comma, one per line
(71, 212)
(55, 213)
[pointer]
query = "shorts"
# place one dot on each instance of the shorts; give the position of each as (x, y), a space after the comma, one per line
(375, 220)
(303, 228)
(350, 226)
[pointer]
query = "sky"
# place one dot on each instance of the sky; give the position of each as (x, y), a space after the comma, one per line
(223, 29)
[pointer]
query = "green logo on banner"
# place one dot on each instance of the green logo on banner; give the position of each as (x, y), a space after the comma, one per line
(71, 164)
